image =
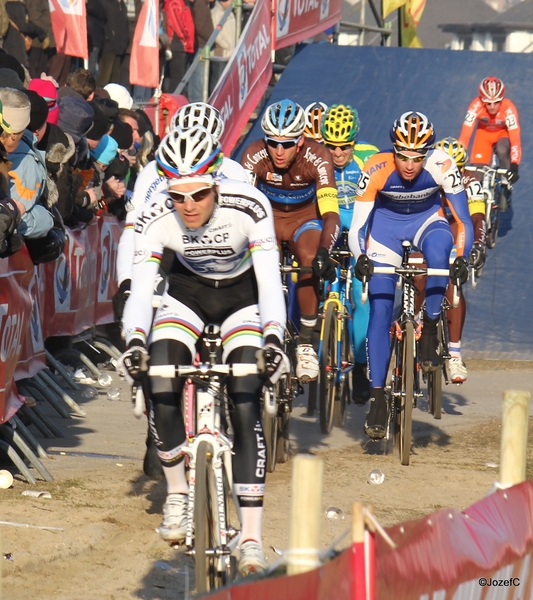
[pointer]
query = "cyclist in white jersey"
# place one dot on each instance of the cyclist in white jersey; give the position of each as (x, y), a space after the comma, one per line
(149, 183)
(225, 272)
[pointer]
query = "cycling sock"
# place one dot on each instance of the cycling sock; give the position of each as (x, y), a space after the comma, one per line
(176, 479)
(251, 523)
(455, 349)
(308, 323)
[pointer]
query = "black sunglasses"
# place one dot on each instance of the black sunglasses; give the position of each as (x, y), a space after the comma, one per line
(343, 148)
(197, 196)
(285, 145)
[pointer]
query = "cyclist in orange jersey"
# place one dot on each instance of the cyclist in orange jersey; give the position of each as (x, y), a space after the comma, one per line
(494, 118)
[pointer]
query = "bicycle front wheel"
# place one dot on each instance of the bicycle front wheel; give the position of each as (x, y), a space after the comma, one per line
(328, 369)
(344, 383)
(205, 522)
(405, 414)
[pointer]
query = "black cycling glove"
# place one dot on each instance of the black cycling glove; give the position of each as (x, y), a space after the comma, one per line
(512, 174)
(459, 271)
(323, 265)
(364, 268)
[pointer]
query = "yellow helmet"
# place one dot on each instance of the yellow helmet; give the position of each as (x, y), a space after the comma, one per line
(340, 124)
(313, 117)
(455, 149)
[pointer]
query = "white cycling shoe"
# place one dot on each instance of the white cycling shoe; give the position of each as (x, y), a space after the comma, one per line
(307, 366)
(173, 529)
(457, 371)
(252, 558)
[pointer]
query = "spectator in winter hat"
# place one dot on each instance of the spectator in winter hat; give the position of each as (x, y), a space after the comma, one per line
(28, 170)
(8, 61)
(119, 94)
(47, 90)
(105, 151)
(75, 117)
(8, 78)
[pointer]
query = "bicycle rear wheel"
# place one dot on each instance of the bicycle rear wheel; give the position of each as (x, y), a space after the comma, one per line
(328, 369)
(407, 372)
(344, 382)
(206, 536)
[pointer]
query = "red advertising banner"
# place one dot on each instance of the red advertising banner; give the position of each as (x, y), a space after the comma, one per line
(69, 24)
(32, 357)
(80, 284)
(297, 20)
(246, 76)
(70, 284)
(16, 273)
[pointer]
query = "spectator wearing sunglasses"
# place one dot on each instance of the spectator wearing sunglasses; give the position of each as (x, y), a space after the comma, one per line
(399, 199)
(296, 174)
(338, 129)
(494, 119)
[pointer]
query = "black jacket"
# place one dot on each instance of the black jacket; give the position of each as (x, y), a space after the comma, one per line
(116, 37)
(96, 21)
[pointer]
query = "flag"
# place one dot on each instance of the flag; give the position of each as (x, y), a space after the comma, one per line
(144, 62)
(69, 25)
(389, 6)
(411, 14)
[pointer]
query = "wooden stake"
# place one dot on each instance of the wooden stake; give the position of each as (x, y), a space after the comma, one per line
(514, 437)
(306, 509)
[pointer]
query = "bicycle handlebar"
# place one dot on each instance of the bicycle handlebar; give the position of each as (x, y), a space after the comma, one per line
(203, 370)
(412, 270)
(486, 169)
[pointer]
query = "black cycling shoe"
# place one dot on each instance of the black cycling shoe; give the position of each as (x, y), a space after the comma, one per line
(152, 465)
(430, 357)
(378, 415)
(361, 385)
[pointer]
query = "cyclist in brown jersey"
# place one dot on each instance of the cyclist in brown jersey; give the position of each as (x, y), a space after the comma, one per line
(297, 176)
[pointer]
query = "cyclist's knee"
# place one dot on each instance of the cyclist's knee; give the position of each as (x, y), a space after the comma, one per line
(251, 384)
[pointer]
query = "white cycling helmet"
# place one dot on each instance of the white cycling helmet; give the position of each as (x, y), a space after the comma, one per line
(284, 119)
(188, 152)
(199, 113)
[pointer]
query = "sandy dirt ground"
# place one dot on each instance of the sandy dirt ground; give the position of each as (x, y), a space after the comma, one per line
(107, 510)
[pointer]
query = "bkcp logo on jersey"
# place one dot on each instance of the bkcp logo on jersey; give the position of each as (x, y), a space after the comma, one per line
(243, 76)
(283, 18)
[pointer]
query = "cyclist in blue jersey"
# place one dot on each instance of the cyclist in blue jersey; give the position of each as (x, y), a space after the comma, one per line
(340, 126)
(296, 174)
(399, 197)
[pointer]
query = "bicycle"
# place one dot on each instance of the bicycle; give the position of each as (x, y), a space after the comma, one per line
(335, 348)
(403, 390)
(210, 538)
(495, 199)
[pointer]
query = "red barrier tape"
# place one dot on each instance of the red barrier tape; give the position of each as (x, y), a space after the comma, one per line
(447, 555)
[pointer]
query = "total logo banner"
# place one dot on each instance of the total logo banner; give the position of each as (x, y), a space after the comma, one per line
(297, 20)
(246, 76)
